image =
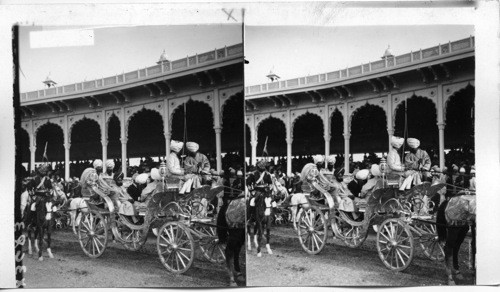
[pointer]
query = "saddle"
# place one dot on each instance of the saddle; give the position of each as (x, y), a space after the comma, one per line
(461, 210)
(235, 214)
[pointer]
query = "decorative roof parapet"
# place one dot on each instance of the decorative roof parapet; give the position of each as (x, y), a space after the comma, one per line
(372, 67)
(164, 68)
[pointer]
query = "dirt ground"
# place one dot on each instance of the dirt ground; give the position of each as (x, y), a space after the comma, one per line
(117, 267)
(339, 265)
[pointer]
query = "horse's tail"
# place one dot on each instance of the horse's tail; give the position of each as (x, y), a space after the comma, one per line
(441, 221)
(222, 226)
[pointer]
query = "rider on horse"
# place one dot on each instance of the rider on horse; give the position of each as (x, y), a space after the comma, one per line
(258, 180)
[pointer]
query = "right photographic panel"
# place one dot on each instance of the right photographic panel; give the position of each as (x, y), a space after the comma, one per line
(360, 155)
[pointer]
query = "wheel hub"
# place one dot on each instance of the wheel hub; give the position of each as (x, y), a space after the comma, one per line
(311, 229)
(174, 246)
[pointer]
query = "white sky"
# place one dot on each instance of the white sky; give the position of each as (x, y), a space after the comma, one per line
(296, 51)
(117, 50)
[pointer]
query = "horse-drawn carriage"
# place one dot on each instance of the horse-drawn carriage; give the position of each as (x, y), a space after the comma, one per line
(401, 219)
(183, 222)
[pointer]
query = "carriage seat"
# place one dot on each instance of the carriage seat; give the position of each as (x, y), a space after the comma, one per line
(392, 180)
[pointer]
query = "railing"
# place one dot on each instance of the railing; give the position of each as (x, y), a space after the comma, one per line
(450, 47)
(163, 68)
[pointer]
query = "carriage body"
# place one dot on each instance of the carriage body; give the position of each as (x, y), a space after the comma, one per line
(400, 217)
(182, 222)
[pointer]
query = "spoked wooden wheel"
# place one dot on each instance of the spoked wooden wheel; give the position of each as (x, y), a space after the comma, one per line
(352, 235)
(429, 241)
(210, 246)
(175, 247)
(131, 239)
(93, 234)
(395, 244)
(312, 230)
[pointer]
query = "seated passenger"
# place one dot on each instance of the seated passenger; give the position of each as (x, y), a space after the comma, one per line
(417, 164)
(395, 168)
(110, 165)
(358, 182)
(371, 183)
(141, 182)
(196, 168)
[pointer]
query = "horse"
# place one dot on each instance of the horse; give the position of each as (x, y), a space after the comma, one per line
(453, 219)
(231, 230)
(261, 213)
(40, 220)
(294, 202)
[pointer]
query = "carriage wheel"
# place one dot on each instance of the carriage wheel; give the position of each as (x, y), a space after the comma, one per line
(429, 241)
(353, 236)
(312, 230)
(175, 247)
(395, 244)
(210, 246)
(93, 234)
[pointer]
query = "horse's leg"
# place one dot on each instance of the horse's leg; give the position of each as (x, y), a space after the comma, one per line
(255, 234)
(40, 241)
(28, 229)
(268, 234)
(461, 234)
(229, 261)
(249, 236)
(49, 231)
(259, 237)
(293, 210)
(449, 250)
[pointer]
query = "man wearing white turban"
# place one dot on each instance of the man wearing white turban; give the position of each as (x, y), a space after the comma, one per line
(393, 158)
(110, 165)
(196, 166)
(371, 183)
(97, 166)
(173, 161)
(417, 163)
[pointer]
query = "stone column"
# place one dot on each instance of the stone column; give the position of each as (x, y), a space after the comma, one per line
(441, 144)
(67, 146)
(346, 152)
(289, 156)
(327, 148)
(32, 157)
(167, 144)
(440, 123)
(390, 133)
(124, 155)
(253, 143)
(390, 126)
(104, 143)
(218, 149)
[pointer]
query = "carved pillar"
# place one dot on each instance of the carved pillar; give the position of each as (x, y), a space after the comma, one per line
(167, 144)
(124, 155)
(326, 134)
(67, 146)
(217, 128)
(390, 126)
(104, 137)
(253, 143)
(440, 123)
(441, 144)
(32, 157)
(104, 143)
(346, 152)
(347, 136)
(123, 139)
(218, 149)
(289, 155)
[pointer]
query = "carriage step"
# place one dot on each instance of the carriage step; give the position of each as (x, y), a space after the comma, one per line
(202, 220)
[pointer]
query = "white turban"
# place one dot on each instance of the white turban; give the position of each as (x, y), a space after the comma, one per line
(110, 164)
(176, 146)
(155, 174)
(462, 170)
(330, 159)
(397, 142)
(192, 146)
(239, 173)
(413, 143)
(473, 169)
(142, 178)
(375, 170)
(318, 159)
(362, 174)
(97, 163)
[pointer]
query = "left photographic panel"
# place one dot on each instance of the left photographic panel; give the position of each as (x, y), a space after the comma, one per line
(129, 156)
